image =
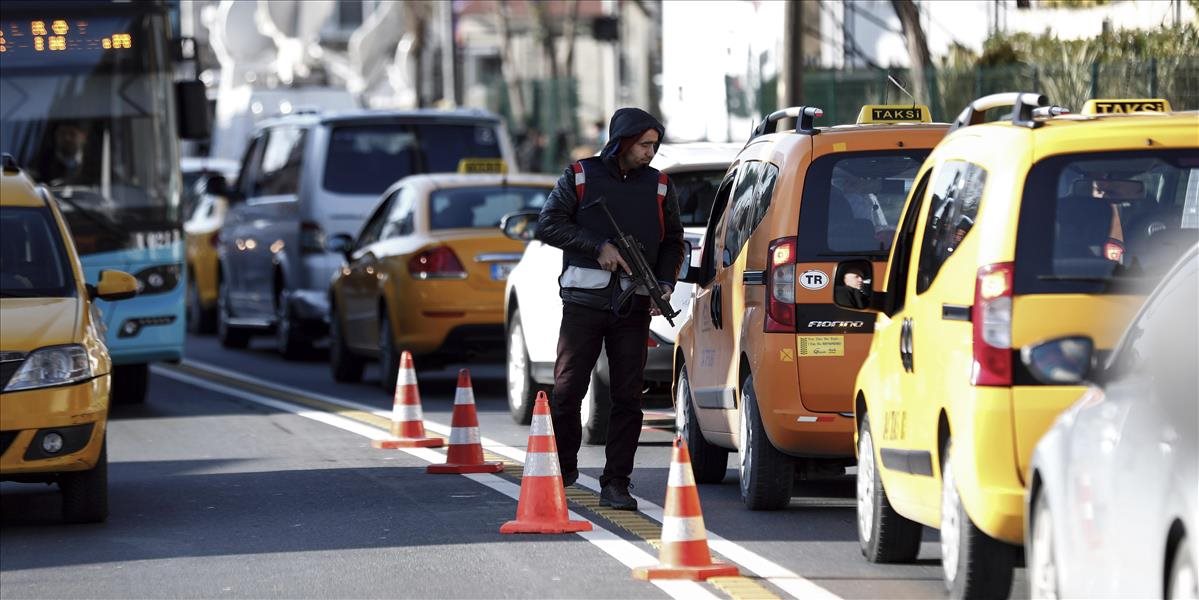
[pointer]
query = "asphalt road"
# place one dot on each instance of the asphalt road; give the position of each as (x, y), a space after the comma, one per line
(219, 488)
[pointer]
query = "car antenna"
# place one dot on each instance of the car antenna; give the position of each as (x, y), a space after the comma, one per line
(902, 89)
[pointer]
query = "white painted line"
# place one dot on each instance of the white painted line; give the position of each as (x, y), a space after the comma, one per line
(786, 579)
(620, 549)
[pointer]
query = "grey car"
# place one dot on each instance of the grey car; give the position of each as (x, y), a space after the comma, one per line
(1112, 509)
(307, 176)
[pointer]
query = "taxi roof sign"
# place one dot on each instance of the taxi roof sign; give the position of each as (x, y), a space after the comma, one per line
(482, 165)
(894, 113)
(1119, 106)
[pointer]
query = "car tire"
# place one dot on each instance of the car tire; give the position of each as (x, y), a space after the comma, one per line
(1182, 581)
(1041, 557)
(884, 535)
(128, 384)
(347, 367)
(973, 564)
(389, 355)
(522, 389)
(709, 462)
(200, 320)
(85, 493)
(289, 340)
(229, 335)
(596, 409)
(767, 475)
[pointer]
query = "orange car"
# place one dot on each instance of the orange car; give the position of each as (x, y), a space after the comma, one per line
(766, 364)
(426, 272)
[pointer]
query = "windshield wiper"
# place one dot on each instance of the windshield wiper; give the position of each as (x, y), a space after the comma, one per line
(95, 217)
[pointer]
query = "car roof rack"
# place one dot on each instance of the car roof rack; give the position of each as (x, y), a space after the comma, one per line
(1028, 109)
(805, 114)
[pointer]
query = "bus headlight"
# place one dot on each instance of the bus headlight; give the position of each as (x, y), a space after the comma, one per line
(159, 279)
(54, 365)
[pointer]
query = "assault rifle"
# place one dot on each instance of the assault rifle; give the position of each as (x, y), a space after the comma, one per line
(642, 275)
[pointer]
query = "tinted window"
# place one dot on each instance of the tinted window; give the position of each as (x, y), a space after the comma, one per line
(901, 254)
(480, 207)
(399, 219)
(954, 206)
(852, 201)
(1096, 223)
(707, 259)
(33, 262)
(371, 231)
(741, 212)
(695, 190)
(366, 159)
(282, 160)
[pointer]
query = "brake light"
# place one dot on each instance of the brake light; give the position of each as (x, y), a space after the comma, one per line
(991, 316)
(780, 286)
(312, 238)
(438, 262)
(650, 342)
(1113, 250)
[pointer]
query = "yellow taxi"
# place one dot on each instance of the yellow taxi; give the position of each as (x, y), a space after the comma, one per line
(1039, 225)
(765, 364)
(206, 184)
(54, 365)
(426, 272)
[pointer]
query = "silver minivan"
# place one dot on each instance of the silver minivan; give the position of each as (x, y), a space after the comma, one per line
(307, 176)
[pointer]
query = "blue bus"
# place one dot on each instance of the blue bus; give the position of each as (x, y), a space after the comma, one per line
(89, 107)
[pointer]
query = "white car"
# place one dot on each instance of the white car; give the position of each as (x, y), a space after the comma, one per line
(533, 308)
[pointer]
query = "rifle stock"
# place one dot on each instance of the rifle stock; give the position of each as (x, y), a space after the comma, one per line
(643, 274)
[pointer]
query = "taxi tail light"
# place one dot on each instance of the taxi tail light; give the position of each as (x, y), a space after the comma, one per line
(312, 238)
(780, 286)
(438, 262)
(991, 316)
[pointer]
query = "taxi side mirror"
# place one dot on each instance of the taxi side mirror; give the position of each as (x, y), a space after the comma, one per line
(685, 268)
(520, 225)
(113, 285)
(1060, 361)
(217, 185)
(340, 243)
(853, 286)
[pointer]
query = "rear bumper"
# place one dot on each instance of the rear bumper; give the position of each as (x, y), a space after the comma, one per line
(78, 413)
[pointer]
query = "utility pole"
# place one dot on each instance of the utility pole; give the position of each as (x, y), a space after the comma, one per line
(790, 84)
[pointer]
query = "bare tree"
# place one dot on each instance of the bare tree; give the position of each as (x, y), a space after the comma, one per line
(516, 96)
(917, 42)
(545, 35)
(416, 19)
(569, 32)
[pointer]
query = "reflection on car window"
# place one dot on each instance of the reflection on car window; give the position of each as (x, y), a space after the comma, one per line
(1088, 219)
(32, 259)
(954, 206)
(481, 206)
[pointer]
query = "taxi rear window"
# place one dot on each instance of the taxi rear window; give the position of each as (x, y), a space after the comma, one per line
(852, 202)
(1107, 222)
(33, 262)
(481, 206)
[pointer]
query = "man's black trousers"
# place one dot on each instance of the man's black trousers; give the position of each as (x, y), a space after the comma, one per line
(584, 331)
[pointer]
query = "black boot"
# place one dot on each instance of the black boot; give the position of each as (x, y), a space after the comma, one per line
(616, 495)
(569, 478)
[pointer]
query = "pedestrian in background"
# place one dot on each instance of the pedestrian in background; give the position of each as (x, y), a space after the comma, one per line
(645, 206)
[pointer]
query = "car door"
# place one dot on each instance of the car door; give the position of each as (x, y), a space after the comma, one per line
(272, 216)
(356, 289)
(233, 230)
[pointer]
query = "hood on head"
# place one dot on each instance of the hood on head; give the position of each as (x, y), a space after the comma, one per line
(628, 122)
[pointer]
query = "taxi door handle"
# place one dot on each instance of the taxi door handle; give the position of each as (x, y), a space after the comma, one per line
(714, 306)
(905, 345)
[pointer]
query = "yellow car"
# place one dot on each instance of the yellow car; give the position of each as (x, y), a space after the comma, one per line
(54, 365)
(426, 272)
(1033, 227)
(206, 182)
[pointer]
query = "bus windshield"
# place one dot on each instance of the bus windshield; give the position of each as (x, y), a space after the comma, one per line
(87, 110)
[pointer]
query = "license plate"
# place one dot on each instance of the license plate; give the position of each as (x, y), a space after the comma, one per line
(500, 271)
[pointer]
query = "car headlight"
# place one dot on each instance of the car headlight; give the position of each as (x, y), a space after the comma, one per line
(55, 365)
(159, 279)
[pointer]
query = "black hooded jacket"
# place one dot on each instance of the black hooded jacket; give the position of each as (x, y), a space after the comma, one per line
(633, 200)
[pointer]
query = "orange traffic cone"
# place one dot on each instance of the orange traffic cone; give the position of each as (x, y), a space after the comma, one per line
(407, 426)
(684, 553)
(542, 505)
(466, 453)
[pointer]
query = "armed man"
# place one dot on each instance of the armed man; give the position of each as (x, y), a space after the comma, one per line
(597, 310)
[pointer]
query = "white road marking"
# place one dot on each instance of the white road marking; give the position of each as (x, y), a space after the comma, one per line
(620, 549)
(786, 579)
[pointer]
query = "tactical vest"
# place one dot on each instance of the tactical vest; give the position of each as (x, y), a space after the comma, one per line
(636, 204)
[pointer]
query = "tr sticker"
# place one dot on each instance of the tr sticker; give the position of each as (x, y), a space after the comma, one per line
(813, 279)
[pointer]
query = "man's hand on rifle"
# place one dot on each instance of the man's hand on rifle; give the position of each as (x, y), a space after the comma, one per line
(666, 291)
(609, 259)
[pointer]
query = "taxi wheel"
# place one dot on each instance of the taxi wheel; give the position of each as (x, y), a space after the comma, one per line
(1183, 581)
(289, 341)
(708, 461)
(596, 409)
(128, 384)
(347, 367)
(1042, 563)
(85, 493)
(884, 535)
(522, 390)
(229, 336)
(767, 475)
(200, 320)
(389, 355)
(974, 564)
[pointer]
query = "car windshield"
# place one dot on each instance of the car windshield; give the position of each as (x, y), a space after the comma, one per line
(32, 259)
(1089, 221)
(480, 206)
(852, 201)
(366, 159)
(696, 190)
